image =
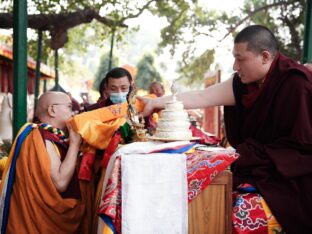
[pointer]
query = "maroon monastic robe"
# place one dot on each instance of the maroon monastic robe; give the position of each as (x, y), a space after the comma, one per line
(274, 139)
(73, 190)
(101, 103)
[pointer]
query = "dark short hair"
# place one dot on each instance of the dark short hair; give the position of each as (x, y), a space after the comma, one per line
(115, 73)
(259, 38)
(102, 87)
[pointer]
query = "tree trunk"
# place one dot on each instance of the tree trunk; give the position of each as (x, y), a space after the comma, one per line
(58, 24)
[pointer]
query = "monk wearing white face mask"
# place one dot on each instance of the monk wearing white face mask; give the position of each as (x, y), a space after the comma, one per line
(113, 89)
(115, 86)
(118, 97)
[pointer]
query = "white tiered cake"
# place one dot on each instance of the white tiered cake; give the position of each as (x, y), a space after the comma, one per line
(174, 122)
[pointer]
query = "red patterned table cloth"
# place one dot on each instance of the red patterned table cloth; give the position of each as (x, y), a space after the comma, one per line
(202, 168)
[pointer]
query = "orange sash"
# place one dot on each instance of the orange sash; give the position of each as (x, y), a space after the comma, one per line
(98, 126)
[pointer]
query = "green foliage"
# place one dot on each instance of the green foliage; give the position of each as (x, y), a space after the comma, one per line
(193, 73)
(103, 69)
(46, 52)
(177, 14)
(187, 22)
(5, 148)
(76, 71)
(84, 36)
(147, 72)
(284, 17)
(80, 37)
(7, 40)
(6, 6)
(285, 20)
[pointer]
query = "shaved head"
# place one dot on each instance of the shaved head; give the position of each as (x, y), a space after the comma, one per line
(47, 100)
(259, 38)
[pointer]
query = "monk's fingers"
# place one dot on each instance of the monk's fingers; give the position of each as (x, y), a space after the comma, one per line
(147, 110)
(140, 98)
(68, 126)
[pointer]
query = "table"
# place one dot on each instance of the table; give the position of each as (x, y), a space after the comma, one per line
(209, 209)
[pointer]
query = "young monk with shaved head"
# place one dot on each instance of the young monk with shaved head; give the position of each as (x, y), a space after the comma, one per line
(268, 112)
(40, 191)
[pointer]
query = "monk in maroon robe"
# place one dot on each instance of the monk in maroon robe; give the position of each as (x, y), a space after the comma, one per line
(273, 135)
(268, 119)
(113, 88)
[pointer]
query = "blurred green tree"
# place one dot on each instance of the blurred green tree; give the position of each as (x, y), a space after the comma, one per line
(103, 69)
(188, 22)
(147, 72)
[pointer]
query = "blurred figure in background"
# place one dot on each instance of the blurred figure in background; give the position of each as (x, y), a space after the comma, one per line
(157, 88)
(75, 103)
(85, 101)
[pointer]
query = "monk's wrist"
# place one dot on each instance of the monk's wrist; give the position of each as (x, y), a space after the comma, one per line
(74, 146)
(159, 103)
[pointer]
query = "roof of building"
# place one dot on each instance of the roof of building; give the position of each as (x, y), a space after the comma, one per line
(46, 72)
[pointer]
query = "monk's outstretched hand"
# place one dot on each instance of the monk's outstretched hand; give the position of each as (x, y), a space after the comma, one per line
(149, 106)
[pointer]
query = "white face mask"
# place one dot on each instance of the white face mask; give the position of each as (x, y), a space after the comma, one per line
(118, 97)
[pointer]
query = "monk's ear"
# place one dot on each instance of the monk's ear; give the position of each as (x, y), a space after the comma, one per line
(266, 56)
(51, 111)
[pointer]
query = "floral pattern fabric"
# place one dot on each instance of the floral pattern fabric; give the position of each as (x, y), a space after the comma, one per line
(251, 214)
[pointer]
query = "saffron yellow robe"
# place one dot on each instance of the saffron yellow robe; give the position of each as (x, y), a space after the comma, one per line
(35, 205)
